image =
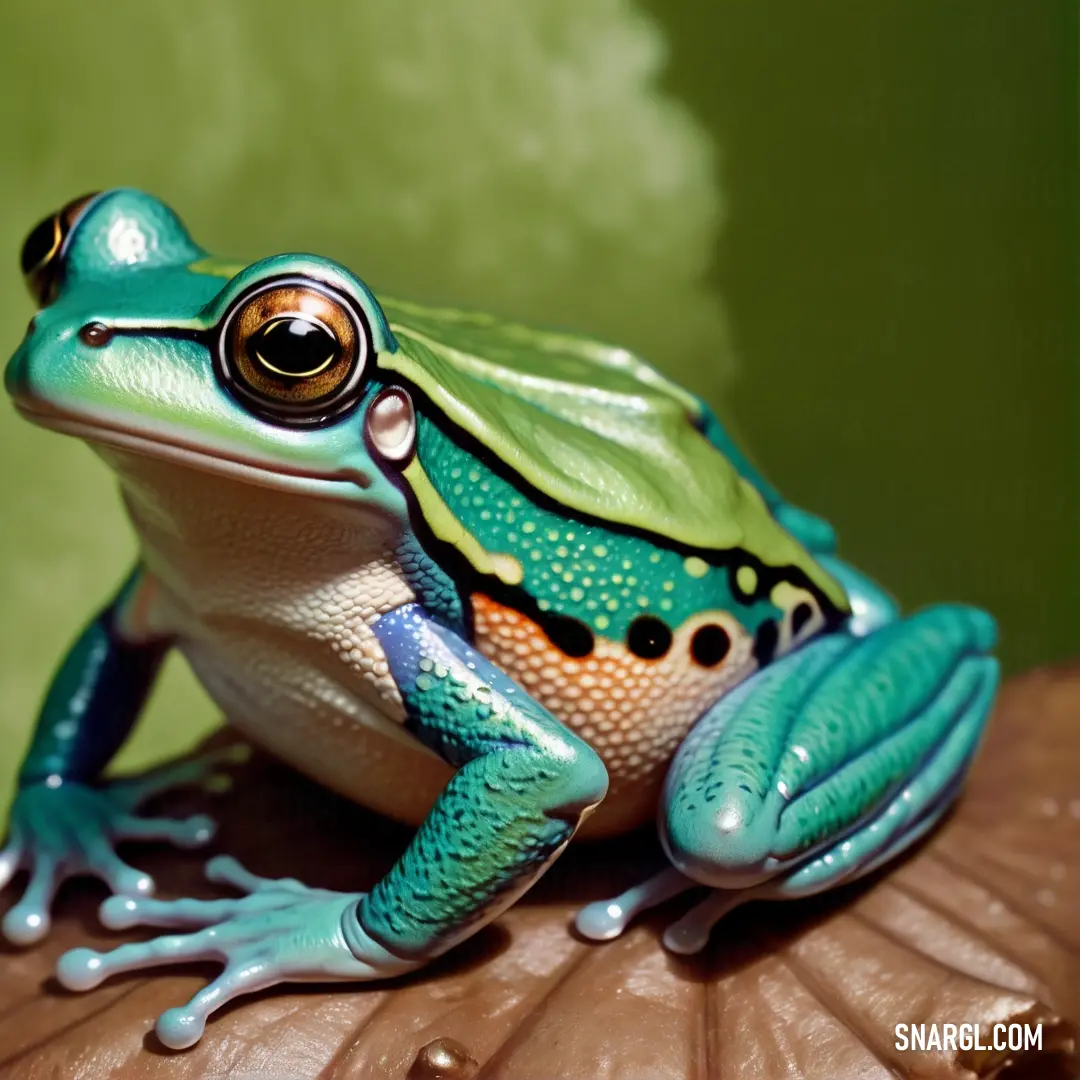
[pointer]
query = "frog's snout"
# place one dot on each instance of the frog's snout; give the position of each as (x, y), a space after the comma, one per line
(15, 374)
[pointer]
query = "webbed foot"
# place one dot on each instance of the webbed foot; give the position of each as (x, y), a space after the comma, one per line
(65, 829)
(280, 931)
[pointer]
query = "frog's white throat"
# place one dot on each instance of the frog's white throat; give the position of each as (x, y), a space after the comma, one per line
(271, 597)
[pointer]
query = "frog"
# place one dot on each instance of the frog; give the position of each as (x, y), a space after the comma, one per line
(507, 585)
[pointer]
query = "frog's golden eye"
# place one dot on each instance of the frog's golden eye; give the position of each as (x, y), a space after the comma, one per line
(294, 351)
(42, 251)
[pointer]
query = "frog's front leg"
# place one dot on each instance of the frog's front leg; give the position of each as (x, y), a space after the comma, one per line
(65, 820)
(524, 784)
(819, 768)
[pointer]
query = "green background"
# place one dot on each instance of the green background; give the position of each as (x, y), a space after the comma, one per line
(851, 226)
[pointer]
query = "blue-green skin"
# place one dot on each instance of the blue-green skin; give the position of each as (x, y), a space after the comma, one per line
(813, 771)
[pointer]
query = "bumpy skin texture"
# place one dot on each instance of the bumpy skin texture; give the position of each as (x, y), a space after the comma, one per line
(474, 575)
(522, 785)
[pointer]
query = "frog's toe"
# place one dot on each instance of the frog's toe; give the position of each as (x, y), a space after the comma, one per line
(124, 912)
(25, 925)
(10, 859)
(225, 870)
(99, 859)
(608, 919)
(84, 969)
(119, 913)
(604, 920)
(192, 832)
(182, 1027)
(80, 969)
(208, 770)
(29, 920)
(691, 933)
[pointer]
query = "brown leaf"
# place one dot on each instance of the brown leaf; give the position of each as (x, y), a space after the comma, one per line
(981, 924)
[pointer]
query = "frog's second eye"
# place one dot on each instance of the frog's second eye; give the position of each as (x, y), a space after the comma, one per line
(294, 351)
(42, 251)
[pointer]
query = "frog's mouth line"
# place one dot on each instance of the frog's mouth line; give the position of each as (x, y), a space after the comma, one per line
(250, 470)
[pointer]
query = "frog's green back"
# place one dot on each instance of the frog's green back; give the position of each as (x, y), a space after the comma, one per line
(593, 427)
(588, 424)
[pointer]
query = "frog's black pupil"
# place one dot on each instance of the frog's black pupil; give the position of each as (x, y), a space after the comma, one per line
(710, 644)
(38, 245)
(293, 346)
(571, 636)
(649, 637)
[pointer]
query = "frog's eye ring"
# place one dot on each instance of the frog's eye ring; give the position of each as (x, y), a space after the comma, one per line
(294, 350)
(41, 259)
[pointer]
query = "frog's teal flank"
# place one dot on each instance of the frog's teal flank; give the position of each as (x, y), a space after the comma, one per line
(498, 582)
(603, 577)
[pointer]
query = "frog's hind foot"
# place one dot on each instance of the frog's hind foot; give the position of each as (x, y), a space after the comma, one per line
(604, 920)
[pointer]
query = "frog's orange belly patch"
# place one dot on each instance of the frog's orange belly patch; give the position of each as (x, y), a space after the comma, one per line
(633, 711)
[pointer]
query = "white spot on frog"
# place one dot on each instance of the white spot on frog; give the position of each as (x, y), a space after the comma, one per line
(127, 241)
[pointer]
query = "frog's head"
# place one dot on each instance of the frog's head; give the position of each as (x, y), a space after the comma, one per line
(289, 373)
(146, 343)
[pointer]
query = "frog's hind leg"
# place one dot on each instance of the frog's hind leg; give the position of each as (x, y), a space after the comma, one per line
(868, 848)
(871, 606)
(858, 854)
(828, 763)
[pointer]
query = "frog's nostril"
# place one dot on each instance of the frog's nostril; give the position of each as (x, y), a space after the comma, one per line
(95, 334)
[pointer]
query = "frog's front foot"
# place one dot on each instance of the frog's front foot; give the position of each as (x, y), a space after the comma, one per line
(62, 829)
(280, 931)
